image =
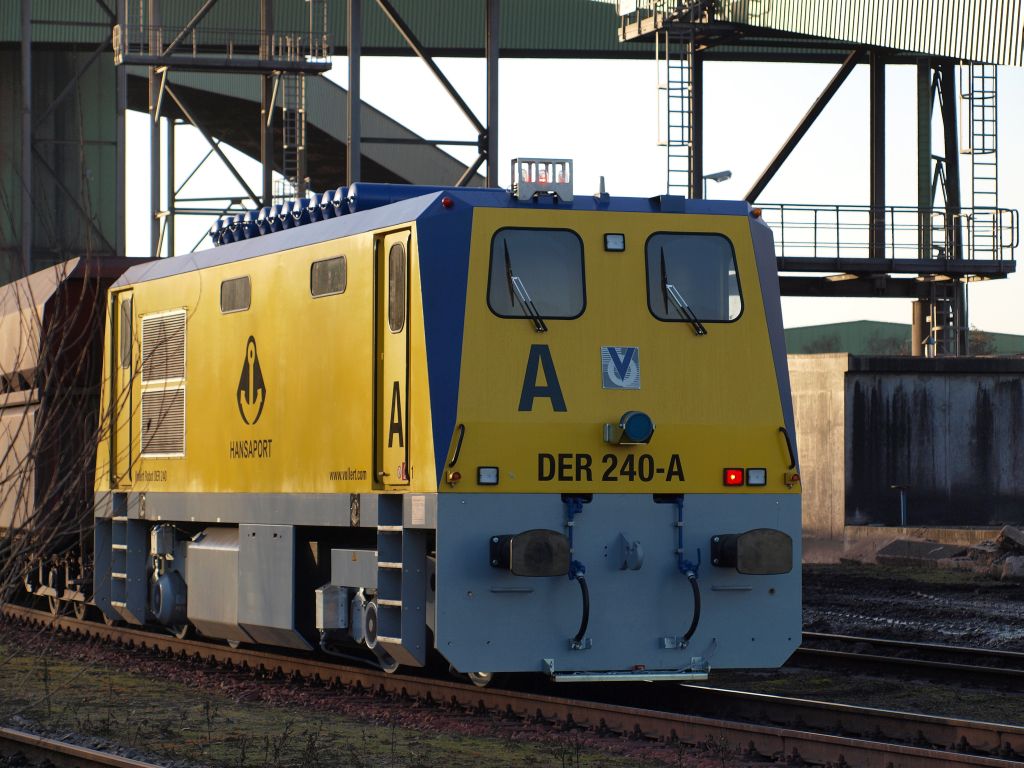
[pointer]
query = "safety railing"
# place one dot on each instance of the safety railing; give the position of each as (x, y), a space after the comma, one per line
(894, 232)
(231, 44)
(633, 12)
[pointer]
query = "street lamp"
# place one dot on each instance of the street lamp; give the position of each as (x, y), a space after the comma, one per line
(718, 176)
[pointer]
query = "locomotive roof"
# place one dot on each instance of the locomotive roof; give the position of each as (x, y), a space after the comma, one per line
(402, 211)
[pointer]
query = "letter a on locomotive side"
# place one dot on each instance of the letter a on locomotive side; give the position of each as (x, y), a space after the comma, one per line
(528, 431)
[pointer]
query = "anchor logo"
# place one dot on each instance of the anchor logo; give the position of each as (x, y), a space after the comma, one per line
(251, 390)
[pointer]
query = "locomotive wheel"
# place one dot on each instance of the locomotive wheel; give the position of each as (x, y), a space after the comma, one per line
(182, 631)
(234, 644)
(81, 609)
(109, 621)
(480, 679)
(55, 582)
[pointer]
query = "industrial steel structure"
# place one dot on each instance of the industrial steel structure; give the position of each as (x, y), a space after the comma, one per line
(927, 252)
(250, 77)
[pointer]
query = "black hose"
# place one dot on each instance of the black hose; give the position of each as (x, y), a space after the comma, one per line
(696, 606)
(586, 610)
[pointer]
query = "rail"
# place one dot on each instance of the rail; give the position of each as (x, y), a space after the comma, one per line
(54, 752)
(803, 728)
(893, 232)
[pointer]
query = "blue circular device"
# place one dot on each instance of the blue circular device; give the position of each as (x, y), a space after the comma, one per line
(637, 427)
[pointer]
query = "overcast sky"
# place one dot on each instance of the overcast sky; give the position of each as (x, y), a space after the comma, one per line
(604, 115)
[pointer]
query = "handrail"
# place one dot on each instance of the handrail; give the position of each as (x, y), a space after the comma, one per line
(844, 231)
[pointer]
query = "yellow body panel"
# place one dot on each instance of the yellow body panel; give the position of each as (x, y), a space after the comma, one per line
(714, 399)
(316, 430)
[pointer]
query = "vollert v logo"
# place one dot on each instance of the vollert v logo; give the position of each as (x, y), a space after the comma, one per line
(252, 393)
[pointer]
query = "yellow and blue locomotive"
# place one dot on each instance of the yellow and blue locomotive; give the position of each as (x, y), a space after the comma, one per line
(530, 431)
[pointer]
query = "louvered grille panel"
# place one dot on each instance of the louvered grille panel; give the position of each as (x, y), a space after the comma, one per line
(163, 422)
(163, 347)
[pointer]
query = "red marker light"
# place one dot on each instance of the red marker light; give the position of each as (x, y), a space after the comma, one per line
(733, 476)
(447, 202)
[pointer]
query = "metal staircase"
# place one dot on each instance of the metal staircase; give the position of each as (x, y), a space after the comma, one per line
(675, 96)
(979, 123)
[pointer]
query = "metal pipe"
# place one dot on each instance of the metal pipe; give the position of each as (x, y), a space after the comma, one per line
(492, 50)
(26, 136)
(808, 119)
(355, 51)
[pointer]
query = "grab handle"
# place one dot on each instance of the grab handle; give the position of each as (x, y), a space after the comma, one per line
(789, 447)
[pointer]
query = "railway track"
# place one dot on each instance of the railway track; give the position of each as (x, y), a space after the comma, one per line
(61, 753)
(759, 726)
(974, 666)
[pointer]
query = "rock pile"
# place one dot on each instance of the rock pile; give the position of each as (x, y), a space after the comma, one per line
(1001, 557)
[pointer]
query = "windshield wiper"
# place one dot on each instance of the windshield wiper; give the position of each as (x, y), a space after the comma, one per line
(516, 290)
(669, 291)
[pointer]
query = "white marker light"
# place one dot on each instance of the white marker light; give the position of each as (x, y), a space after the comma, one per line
(757, 476)
(614, 241)
(487, 475)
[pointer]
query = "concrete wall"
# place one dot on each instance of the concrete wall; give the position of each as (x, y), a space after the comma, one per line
(948, 430)
(818, 383)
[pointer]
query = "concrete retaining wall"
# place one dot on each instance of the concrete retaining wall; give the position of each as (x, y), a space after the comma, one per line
(950, 431)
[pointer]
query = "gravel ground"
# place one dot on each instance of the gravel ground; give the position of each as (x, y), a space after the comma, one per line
(921, 605)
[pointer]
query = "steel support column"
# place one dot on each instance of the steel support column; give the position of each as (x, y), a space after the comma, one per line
(154, 163)
(876, 233)
(808, 120)
(951, 150)
(921, 309)
(155, 74)
(267, 103)
(925, 198)
(492, 50)
(697, 122)
(121, 80)
(169, 213)
(26, 136)
(355, 51)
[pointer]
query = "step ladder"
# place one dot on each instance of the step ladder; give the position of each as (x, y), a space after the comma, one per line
(293, 135)
(122, 551)
(401, 584)
(978, 113)
(674, 50)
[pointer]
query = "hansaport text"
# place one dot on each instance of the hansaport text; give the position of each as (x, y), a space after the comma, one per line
(250, 449)
(580, 467)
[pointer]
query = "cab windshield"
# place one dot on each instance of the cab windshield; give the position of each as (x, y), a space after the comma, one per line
(694, 271)
(536, 274)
